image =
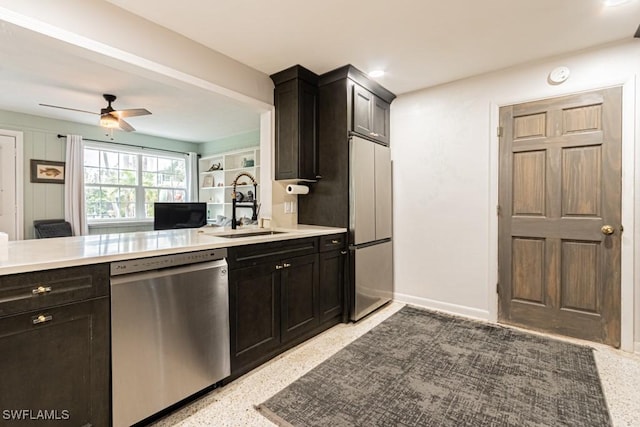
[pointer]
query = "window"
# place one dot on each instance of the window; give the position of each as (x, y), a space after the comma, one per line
(124, 185)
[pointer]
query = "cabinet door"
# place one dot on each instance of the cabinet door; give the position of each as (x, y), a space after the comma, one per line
(308, 140)
(331, 286)
(254, 314)
(299, 296)
(296, 130)
(371, 115)
(380, 121)
(362, 111)
(58, 362)
(287, 126)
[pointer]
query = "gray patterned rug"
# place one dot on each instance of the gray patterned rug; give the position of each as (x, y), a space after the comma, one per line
(420, 368)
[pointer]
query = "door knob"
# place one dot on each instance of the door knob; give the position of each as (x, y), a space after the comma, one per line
(607, 230)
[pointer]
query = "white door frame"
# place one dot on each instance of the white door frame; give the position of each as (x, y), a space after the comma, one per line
(19, 138)
(630, 157)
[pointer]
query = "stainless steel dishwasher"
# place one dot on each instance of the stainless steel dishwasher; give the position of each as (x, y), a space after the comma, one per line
(169, 330)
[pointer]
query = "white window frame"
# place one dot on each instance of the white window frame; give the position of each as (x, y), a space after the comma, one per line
(140, 196)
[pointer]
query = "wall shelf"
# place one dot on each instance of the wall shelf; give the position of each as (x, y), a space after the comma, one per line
(218, 197)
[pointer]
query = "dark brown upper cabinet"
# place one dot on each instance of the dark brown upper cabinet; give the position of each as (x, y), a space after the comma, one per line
(370, 115)
(366, 103)
(296, 100)
(349, 103)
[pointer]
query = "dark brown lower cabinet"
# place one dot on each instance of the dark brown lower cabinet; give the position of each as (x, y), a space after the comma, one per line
(269, 305)
(331, 284)
(254, 311)
(299, 285)
(277, 297)
(54, 366)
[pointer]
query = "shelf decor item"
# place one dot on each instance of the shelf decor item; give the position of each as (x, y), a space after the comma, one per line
(207, 181)
(46, 171)
(215, 167)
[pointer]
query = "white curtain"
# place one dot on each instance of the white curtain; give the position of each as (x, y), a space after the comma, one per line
(74, 211)
(192, 170)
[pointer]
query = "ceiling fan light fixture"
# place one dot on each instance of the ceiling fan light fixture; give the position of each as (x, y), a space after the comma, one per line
(108, 121)
(109, 117)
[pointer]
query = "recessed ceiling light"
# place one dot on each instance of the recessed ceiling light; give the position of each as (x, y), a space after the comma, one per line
(376, 73)
(612, 3)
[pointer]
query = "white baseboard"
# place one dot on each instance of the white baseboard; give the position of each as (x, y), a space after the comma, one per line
(459, 310)
(637, 347)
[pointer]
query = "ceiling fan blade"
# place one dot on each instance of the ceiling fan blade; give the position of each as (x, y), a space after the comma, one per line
(132, 112)
(66, 108)
(125, 126)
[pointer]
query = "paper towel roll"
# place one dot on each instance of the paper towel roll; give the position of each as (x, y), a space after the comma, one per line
(297, 189)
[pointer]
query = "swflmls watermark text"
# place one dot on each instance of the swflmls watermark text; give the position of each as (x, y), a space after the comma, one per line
(35, 414)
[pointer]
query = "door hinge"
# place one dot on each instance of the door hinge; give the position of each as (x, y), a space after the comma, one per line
(498, 210)
(497, 288)
(499, 131)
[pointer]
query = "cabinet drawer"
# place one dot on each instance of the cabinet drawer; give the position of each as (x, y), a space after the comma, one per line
(332, 242)
(35, 290)
(250, 255)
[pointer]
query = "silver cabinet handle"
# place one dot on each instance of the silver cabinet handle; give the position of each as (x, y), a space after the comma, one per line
(343, 252)
(41, 319)
(335, 242)
(374, 134)
(41, 290)
(287, 265)
(279, 267)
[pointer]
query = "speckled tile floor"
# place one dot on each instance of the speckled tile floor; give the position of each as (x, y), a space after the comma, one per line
(233, 405)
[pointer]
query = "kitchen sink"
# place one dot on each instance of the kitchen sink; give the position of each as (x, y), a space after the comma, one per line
(250, 234)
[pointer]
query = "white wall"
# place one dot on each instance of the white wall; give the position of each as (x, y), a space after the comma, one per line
(444, 150)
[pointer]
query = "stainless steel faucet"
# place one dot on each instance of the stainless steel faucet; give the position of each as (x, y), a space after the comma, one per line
(234, 203)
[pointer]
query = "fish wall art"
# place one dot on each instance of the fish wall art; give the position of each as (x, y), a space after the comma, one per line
(47, 171)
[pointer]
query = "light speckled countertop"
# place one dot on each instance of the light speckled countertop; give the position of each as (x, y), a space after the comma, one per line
(43, 254)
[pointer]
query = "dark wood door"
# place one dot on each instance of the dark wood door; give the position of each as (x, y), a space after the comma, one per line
(57, 363)
(254, 314)
(300, 312)
(560, 210)
(332, 270)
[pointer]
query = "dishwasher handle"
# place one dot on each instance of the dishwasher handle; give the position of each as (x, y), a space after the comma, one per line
(170, 271)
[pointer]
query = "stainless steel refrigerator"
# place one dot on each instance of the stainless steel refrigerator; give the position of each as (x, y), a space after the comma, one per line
(370, 226)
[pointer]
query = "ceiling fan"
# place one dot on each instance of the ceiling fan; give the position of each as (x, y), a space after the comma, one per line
(109, 117)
